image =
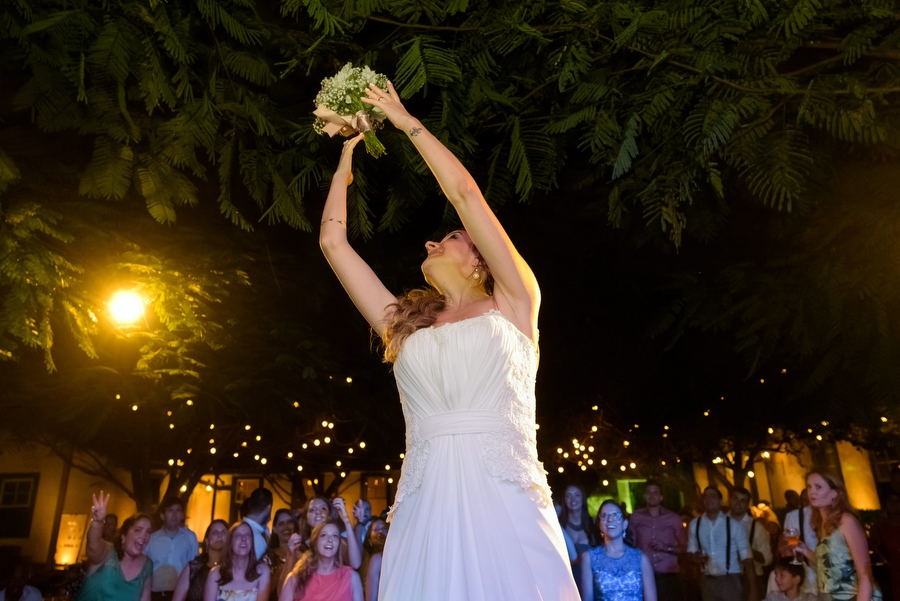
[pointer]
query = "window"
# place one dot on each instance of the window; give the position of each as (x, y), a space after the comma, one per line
(17, 495)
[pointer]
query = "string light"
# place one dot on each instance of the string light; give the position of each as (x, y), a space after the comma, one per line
(258, 438)
(189, 403)
(325, 424)
(212, 451)
(362, 445)
(751, 474)
(171, 426)
(247, 427)
(603, 462)
(390, 480)
(560, 469)
(304, 446)
(208, 488)
(606, 483)
(349, 380)
(235, 455)
(171, 462)
(350, 450)
(212, 426)
(290, 455)
(387, 467)
(263, 461)
(883, 419)
(299, 468)
(316, 442)
(327, 439)
(771, 430)
(134, 407)
(296, 405)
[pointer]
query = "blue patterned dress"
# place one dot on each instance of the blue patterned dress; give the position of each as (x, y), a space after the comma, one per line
(617, 578)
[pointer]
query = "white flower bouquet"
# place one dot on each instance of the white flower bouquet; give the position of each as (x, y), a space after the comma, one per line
(339, 110)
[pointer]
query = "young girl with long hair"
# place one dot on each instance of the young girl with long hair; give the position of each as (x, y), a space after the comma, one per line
(321, 575)
(239, 576)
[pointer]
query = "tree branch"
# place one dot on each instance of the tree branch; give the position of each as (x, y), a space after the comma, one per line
(419, 26)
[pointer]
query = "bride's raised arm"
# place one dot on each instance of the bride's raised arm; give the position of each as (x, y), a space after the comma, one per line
(516, 290)
(366, 290)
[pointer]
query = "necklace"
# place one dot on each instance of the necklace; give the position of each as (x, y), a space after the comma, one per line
(578, 528)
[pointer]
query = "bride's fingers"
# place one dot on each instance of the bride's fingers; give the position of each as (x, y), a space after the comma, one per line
(392, 91)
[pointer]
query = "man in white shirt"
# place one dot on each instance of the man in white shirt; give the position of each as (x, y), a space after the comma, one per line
(719, 544)
(170, 548)
(757, 535)
(259, 512)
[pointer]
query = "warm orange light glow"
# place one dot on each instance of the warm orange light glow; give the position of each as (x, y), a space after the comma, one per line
(126, 307)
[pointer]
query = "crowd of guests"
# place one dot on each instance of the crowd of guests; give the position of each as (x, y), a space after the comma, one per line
(818, 551)
(733, 552)
(313, 554)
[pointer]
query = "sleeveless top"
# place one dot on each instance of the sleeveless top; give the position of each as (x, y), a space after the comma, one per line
(836, 576)
(235, 595)
(199, 570)
(491, 395)
(617, 578)
(331, 587)
(107, 582)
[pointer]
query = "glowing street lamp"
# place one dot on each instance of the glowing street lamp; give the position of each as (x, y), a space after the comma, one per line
(126, 307)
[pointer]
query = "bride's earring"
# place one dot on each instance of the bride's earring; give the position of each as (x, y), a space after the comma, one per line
(476, 275)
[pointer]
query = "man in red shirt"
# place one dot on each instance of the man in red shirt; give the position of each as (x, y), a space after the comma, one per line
(661, 535)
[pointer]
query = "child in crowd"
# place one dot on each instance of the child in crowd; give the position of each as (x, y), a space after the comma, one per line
(789, 578)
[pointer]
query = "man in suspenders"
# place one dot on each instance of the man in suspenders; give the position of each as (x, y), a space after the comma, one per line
(758, 539)
(720, 545)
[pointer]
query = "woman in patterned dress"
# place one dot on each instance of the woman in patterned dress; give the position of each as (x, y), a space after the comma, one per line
(613, 570)
(843, 567)
(192, 581)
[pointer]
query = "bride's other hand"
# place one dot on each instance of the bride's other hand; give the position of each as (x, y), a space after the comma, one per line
(388, 101)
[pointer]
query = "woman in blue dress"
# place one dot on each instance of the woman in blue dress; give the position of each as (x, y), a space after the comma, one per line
(617, 572)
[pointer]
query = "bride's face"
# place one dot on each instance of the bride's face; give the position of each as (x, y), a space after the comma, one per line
(455, 249)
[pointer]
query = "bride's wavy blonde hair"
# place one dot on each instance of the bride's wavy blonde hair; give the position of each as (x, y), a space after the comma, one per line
(419, 308)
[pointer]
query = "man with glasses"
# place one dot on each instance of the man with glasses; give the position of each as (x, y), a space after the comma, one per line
(661, 535)
(721, 547)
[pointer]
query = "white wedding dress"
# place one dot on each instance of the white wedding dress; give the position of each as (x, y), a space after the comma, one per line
(472, 519)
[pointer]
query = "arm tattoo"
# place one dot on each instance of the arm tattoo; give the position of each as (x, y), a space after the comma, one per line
(415, 131)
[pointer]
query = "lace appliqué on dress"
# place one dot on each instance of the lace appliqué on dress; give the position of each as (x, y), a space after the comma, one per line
(509, 454)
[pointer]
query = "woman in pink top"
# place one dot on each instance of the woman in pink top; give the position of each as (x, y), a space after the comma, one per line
(320, 574)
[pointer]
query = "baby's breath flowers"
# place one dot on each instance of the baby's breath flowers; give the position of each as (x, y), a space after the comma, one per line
(339, 110)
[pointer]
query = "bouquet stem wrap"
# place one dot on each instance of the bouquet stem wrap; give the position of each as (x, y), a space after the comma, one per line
(339, 109)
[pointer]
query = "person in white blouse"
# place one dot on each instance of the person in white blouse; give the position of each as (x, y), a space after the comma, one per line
(807, 536)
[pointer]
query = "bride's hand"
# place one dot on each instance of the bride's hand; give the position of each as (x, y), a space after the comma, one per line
(344, 168)
(388, 102)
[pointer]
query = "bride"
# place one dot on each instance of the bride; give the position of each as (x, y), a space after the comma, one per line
(472, 518)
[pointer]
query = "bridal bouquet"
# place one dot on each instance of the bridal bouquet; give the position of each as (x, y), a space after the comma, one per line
(339, 110)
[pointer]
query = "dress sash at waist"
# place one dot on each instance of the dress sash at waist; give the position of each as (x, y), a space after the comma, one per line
(459, 422)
